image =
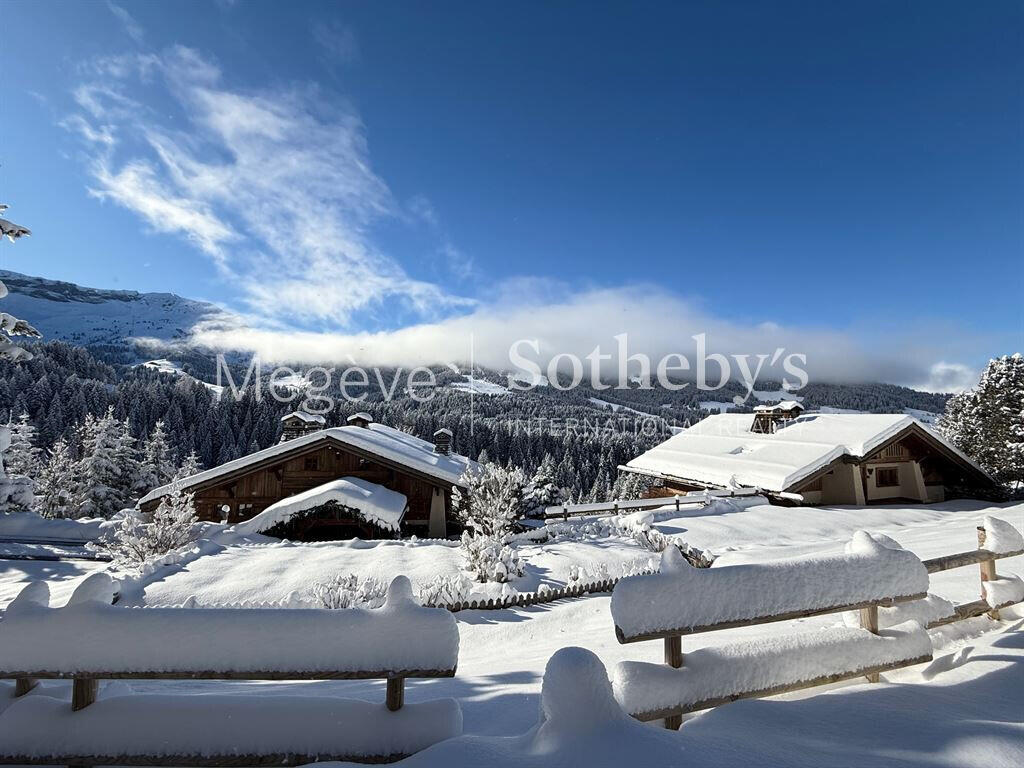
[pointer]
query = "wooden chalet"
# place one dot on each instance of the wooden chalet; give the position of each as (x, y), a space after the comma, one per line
(371, 453)
(814, 458)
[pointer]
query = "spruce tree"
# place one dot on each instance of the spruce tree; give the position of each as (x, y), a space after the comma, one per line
(55, 488)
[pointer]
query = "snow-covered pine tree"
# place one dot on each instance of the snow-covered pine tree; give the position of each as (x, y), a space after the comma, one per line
(156, 467)
(138, 537)
(129, 461)
(24, 457)
(15, 490)
(629, 486)
(190, 465)
(988, 423)
(542, 491)
(98, 470)
(55, 486)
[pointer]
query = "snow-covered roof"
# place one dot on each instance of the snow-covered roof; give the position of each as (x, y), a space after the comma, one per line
(785, 405)
(377, 439)
(309, 418)
(374, 503)
(722, 451)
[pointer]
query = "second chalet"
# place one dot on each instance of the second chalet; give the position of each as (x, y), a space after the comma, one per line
(364, 479)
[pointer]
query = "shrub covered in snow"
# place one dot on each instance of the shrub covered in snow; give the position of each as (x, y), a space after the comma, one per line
(137, 537)
(488, 558)
(491, 499)
(446, 589)
(349, 591)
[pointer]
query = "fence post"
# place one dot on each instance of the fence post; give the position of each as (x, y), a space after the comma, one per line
(677, 502)
(23, 685)
(869, 621)
(396, 693)
(988, 572)
(83, 692)
(674, 658)
(565, 513)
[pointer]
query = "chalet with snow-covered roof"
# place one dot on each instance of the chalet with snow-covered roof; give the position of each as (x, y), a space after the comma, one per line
(363, 479)
(815, 458)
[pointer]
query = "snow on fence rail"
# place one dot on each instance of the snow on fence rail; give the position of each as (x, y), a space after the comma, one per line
(89, 640)
(874, 575)
(696, 498)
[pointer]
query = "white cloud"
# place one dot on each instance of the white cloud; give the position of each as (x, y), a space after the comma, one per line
(948, 377)
(276, 186)
(657, 323)
(131, 26)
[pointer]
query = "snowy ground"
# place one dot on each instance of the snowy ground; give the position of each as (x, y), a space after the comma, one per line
(963, 709)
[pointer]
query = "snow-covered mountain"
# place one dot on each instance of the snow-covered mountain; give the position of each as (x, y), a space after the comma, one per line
(93, 316)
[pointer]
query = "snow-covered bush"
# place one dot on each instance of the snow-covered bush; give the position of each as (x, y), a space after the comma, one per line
(446, 589)
(488, 558)
(491, 499)
(349, 591)
(137, 537)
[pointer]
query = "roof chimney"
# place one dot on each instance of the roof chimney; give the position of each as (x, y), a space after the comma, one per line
(443, 441)
(361, 419)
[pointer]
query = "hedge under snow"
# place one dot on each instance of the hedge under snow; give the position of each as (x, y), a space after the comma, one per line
(763, 664)
(684, 597)
(91, 635)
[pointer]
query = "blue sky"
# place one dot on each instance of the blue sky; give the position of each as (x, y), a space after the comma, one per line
(843, 178)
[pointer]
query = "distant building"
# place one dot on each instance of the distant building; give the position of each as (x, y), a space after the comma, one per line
(820, 458)
(309, 459)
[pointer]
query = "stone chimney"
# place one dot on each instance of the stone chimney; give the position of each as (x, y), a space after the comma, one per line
(443, 441)
(361, 419)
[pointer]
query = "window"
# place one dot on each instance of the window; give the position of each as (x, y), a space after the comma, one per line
(887, 477)
(312, 464)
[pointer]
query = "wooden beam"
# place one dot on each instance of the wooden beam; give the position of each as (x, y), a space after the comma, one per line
(959, 560)
(201, 761)
(674, 658)
(869, 621)
(660, 714)
(395, 693)
(83, 692)
(755, 620)
(988, 571)
(23, 685)
(235, 675)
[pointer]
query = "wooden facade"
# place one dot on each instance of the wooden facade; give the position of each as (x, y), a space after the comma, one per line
(239, 495)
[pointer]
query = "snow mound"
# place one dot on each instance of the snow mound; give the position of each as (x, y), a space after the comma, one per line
(576, 694)
(374, 503)
(89, 634)
(1001, 537)
(763, 664)
(1006, 590)
(163, 725)
(684, 597)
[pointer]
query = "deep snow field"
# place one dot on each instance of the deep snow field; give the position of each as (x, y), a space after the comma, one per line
(962, 709)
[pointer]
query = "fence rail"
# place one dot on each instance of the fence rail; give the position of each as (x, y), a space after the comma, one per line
(565, 511)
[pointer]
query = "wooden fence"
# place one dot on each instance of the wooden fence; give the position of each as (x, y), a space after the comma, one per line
(565, 511)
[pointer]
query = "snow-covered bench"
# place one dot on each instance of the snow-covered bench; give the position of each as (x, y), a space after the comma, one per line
(89, 640)
(683, 600)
